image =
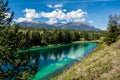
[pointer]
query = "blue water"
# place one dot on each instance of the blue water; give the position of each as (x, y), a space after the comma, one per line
(50, 61)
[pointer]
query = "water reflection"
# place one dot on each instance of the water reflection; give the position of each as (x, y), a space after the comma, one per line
(48, 61)
(55, 58)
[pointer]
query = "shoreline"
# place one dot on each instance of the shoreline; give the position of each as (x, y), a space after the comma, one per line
(52, 46)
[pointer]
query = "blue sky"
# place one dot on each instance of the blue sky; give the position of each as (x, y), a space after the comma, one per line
(94, 12)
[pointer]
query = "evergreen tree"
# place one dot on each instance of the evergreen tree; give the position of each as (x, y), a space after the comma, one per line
(113, 32)
(36, 39)
(59, 36)
(72, 35)
(5, 18)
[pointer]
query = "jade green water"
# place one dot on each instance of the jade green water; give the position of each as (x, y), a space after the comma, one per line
(54, 60)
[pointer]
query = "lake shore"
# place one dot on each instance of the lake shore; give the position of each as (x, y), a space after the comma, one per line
(53, 46)
(102, 64)
(87, 41)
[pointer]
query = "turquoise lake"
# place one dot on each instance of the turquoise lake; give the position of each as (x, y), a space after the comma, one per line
(52, 61)
(49, 61)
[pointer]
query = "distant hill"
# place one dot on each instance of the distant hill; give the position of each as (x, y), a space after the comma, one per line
(36, 25)
(70, 25)
(77, 26)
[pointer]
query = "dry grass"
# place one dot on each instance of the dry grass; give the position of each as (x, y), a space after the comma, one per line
(102, 64)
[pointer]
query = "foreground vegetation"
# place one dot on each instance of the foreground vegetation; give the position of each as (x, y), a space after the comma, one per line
(102, 64)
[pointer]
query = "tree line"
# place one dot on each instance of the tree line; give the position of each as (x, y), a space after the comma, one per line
(15, 38)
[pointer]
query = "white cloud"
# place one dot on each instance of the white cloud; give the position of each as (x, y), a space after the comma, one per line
(22, 19)
(48, 14)
(49, 6)
(58, 5)
(52, 21)
(76, 15)
(30, 14)
(55, 6)
(58, 14)
(54, 16)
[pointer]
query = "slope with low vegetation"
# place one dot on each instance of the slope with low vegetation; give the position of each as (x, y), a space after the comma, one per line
(102, 64)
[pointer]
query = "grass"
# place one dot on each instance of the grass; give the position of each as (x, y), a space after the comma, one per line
(98, 41)
(102, 64)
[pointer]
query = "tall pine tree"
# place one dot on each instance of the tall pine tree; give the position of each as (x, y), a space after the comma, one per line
(113, 32)
(5, 20)
(5, 16)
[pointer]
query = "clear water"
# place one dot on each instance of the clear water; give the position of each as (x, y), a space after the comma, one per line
(52, 60)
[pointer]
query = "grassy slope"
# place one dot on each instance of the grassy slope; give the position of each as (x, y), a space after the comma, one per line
(102, 64)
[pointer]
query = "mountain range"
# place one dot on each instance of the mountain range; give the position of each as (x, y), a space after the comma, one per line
(70, 25)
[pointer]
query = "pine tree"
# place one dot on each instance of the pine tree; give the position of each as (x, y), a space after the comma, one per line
(113, 32)
(5, 18)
